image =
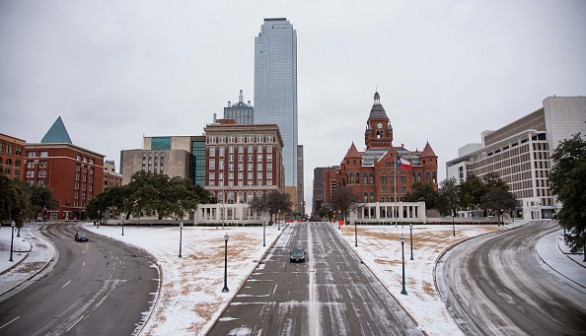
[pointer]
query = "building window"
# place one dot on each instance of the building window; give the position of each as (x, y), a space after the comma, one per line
(30, 164)
(212, 164)
(31, 154)
(78, 157)
(44, 154)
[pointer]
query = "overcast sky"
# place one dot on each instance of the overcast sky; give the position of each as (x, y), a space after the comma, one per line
(445, 70)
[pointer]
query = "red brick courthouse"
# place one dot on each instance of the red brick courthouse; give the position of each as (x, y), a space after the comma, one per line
(382, 172)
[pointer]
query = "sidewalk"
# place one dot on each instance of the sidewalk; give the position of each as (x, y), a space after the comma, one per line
(31, 255)
(554, 252)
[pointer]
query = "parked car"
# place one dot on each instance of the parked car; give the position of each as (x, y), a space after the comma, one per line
(297, 255)
(81, 236)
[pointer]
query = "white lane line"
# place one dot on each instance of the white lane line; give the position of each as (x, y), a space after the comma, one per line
(314, 313)
(66, 284)
(83, 264)
(76, 322)
(14, 319)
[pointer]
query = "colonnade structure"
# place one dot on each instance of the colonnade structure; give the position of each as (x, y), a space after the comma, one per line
(389, 213)
(364, 213)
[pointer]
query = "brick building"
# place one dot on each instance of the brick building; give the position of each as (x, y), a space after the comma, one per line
(244, 161)
(382, 172)
(74, 174)
(12, 156)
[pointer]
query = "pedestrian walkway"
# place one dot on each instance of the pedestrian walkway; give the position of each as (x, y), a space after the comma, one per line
(554, 252)
(31, 254)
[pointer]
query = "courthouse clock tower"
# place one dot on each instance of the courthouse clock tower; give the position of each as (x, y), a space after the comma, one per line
(379, 132)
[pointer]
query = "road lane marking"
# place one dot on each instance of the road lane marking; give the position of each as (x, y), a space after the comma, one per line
(14, 319)
(314, 313)
(83, 264)
(76, 322)
(66, 284)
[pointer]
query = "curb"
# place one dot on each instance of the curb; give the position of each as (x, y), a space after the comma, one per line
(555, 270)
(384, 285)
(156, 262)
(53, 258)
(206, 331)
(15, 264)
(448, 249)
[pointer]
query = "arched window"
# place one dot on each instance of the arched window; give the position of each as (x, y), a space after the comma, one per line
(9, 162)
(365, 178)
(427, 177)
(357, 178)
(419, 177)
(371, 197)
(434, 180)
(230, 197)
(365, 197)
(351, 178)
(371, 179)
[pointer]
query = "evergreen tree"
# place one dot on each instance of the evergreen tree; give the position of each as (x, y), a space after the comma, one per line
(568, 182)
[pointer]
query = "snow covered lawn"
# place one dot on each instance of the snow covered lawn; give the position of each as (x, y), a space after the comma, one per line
(191, 297)
(380, 249)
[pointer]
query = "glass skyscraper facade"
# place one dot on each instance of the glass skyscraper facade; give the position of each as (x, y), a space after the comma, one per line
(275, 86)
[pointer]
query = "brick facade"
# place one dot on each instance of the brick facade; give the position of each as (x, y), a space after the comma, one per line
(373, 175)
(243, 161)
(12, 157)
(74, 174)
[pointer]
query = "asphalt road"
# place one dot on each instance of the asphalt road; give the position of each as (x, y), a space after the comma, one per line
(497, 285)
(331, 294)
(100, 287)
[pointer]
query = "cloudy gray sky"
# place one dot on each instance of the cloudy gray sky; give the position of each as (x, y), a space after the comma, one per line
(445, 70)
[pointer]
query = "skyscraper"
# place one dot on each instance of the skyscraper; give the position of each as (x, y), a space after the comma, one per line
(275, 86)
(242, 112)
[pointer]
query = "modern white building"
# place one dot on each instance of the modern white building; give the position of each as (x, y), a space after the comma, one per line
(520, 153)
(275, 87)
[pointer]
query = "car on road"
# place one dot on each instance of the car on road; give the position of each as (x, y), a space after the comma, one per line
(297, 255)
(81, 236)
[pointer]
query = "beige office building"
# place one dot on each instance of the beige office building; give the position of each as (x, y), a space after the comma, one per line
(520, 153)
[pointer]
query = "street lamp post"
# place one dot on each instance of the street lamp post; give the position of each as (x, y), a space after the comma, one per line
(13, 224)
(279, 222)
(180, 236)
(403, 291)
(18, 231)
(225, 289)
(99, 218)
(411, 238)
(355, 235)
(264, 237)
(123, 227)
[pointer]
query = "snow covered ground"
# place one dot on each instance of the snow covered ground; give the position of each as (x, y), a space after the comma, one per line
(380, 249)
(191, 295)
